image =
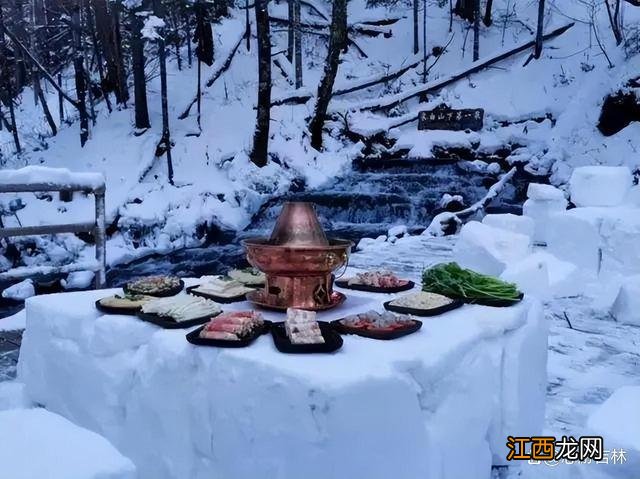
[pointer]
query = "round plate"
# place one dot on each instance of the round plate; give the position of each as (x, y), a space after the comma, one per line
(344, 283)
(257, 298)
(423, 312)
(115, 310)
(161, 294)
(217, 299)
(377, 334)
(194, 338)
(167, 323)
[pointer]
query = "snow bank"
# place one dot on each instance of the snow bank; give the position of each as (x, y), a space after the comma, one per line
(44, 444)
(182, 411)
(12, 396)
(523, 225)
(600, 185)
(489, 250)
(626, 308)
(61, 177)
(20, 291)
(16, 321)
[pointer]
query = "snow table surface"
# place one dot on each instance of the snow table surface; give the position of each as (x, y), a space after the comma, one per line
(46, 445)
(375, 407)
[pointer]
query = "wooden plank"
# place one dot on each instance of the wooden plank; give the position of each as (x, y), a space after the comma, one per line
(27, 188)
(47, 229)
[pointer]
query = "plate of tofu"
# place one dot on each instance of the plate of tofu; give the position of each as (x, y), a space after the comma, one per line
(220, 289)
(301, 333)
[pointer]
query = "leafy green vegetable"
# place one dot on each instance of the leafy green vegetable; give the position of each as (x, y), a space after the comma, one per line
(451, 280)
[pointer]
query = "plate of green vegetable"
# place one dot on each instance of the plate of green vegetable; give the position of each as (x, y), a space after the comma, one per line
(451, 280)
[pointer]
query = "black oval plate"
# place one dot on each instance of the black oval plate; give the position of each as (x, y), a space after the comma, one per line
(332, 340)
(498, 303)
(169, 324)
(423, 312)
(372, 334)
(194, 338)
(114, 310)
(344, 283)
(217, 299)
(161, 294)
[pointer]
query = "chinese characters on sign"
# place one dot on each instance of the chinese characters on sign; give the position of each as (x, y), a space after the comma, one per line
(444, 118)
(568, 449)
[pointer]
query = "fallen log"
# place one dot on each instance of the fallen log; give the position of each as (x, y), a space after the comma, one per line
(450, 223)
(219, 70)
(303, 97)
(360, 28)
(394, 100)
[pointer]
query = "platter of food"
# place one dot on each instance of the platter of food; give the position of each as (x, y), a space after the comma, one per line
(237, 329)
(160, 286)
(220, 289)
(122, 304)
(377, 281)
(375, 325)
(300, 333)
(250, 277)
(422, 303)
(257, 298)
(469, 286)
(178, 312)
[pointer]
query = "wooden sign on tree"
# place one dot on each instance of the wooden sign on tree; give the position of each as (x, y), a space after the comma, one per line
(445, 118)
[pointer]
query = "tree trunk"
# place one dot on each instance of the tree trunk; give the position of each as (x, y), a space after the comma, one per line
(261, 136)
(465, 9)
(80, 76)
(137, 68)
(247, 24)
(539, 31)
(424, 42)
(122, 91)
(476, 31)
(60, 99)
(416, 44)
(290, 30)
(45, 106)
(5, 80)
(108, 29)
(337, 42)
(298, 42)
(487, 13)
(162, 54)
(97, 52)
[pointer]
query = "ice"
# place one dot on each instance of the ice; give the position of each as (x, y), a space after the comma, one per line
(51, 176)
(543, 192)
(44, 444)
(617, 420)
(540, 211)
(510, 222)
(20, 291)
(180, 411)
(489, 250)
(16, 321)
(530, 275)
(600, 185)
(633, 197)
(626, 308)
(620, 232)
(574, 236)
(78, 280)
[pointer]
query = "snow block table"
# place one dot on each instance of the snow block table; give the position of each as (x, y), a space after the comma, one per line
(437, 404)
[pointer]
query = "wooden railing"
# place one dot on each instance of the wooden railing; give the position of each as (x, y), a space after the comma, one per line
(97, 228)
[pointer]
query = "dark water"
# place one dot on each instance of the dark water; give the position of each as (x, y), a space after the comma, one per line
(375, 195)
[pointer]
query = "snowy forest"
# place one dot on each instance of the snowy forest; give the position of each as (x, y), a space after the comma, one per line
(425, 145)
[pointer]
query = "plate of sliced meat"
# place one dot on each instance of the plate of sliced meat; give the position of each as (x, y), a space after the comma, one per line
(236, 329)
(375, 325)
(378, 281)
(300, 333)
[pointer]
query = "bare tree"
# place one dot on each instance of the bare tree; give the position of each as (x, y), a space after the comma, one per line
(476, 30)
(337, 43)
(5, 81)
(487, 20)
(290, 31)
(297, 32)
(137, 68)
(80, 74)
(615, 19)
(416, 44)
(539, 30)
(260, 149)
(204, 50)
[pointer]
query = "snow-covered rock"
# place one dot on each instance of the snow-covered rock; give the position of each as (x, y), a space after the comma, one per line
(397, 231)
(510, 222)
(44, 444)
(600, 185)
(20, 291)
(626, 307)
(78, 280)
(489, 250)
(574, 236)
(540, 210)
(617, 420)
(365, 243)
(181, 411)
